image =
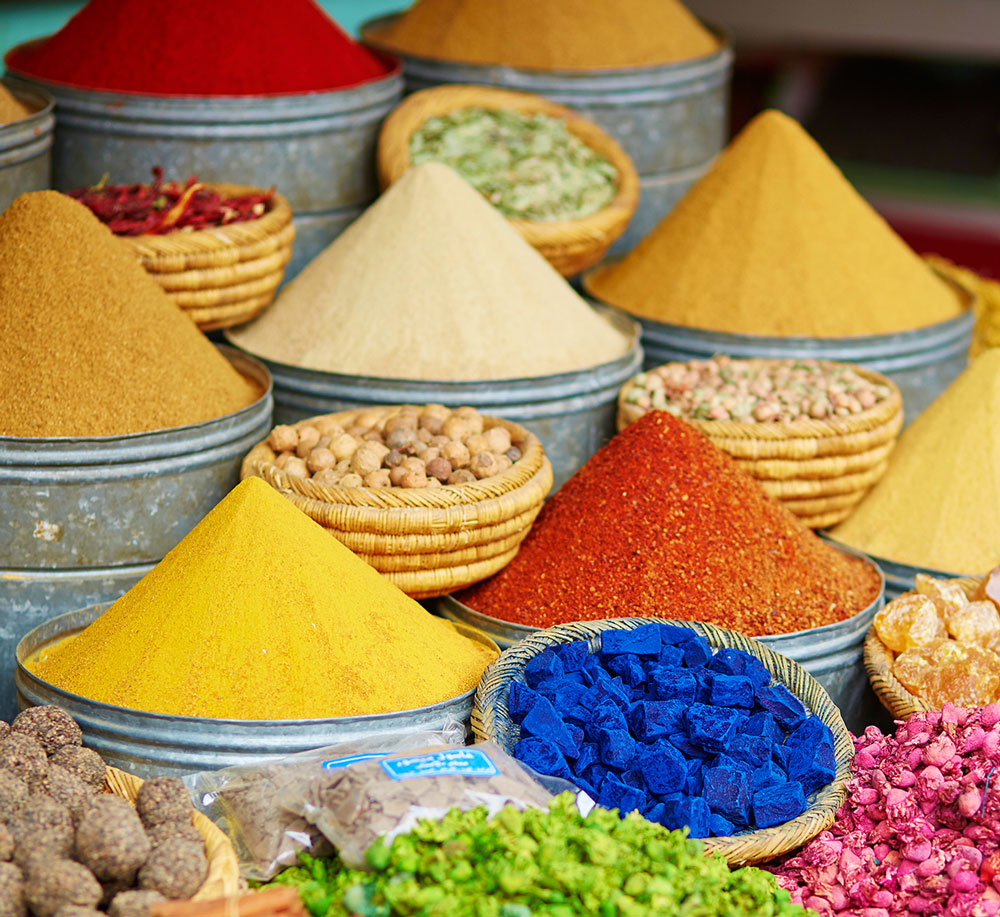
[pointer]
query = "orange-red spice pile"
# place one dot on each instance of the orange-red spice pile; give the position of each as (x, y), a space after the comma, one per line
(661, 522)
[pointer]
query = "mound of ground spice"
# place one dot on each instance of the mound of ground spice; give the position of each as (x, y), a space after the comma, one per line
(548, 34)
(10, 108)
(662, 523)
(773, 240)
(431, 282)
(189, 47)
(90, 344)
(259, 613)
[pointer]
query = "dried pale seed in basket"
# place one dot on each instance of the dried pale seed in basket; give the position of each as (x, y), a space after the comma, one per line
(757, 391)
(427, 446)
(529, 166)
(947, 643)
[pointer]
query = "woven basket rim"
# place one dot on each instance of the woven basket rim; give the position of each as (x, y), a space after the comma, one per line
(412, 112)
(895, 697)
(751, 846)
(521, 473)
(277, 214)
(880, 414)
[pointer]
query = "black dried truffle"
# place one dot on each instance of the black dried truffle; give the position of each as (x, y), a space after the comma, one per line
(22, 755)
(13, 794)
(174, 830)
(134, 903)
(163, 799)
(176, 869)
(110, 839)
(42, 827)
(50, 726)
(6, 844)
(12, 902)
(52, 885)
(85, 763)
(62, 786)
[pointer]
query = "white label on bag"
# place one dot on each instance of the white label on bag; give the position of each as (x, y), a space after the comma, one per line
(455, 762)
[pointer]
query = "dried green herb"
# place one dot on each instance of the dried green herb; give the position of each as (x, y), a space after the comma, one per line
(529, 166)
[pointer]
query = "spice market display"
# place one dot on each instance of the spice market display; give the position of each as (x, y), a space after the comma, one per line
(391, 672)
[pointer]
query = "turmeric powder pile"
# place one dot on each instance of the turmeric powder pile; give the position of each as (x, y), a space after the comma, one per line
(937, 504)
(773, 240)
(548, 34)
(261, 614)
(11, 109)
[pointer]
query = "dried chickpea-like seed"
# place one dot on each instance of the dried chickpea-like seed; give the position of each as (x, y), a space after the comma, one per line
(378, 478)
(296, 467)
(429, 454)
(368, 419)
(457, 454)
(513, 453)
(478, 443)
(282, 459)
(283, 438)
(372, 436)
(393, 459)
(457, 428)
(328, 477)
(396, 475)
(503, 463)
(435, 410)
(439, 468)
(368, 458)
(497, 439)
(320, 459)
(432, 425)
(351, 480)
(412, 463)
(439, 441)
(484, 464)
(473, 416)
(461, 476)
(424, 435)
(400, 437)
(308, 437)
(432, 483)
(414, 479)
(344, 446)
(329, 427)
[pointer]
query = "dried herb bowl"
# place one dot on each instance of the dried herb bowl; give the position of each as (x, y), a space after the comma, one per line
(491, 720)
(570, 246)
(225, 275)
(818, 469)
(428, 542)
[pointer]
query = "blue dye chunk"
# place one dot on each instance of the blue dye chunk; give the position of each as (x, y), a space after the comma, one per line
(520, 700)
(692, 811)
(572, 655)
(671, 683)
(616, 748)
(754, 750)
(628, 667)
(542, 667)
(814, 767)
(614, 794)
(727, 792)
(671, 656)
(775, 805)
(650, 719)
(696, 653)
(543, 721)
(713, 727)
(663, 767)
(769, 774)
(762, 724)
(719, 826)
(788, 711)
(731, 691)
(542, 756)
(642, 641)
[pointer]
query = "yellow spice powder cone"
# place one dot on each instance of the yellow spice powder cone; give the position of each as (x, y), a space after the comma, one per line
(773, 240)
(937, 504)
(259, 613)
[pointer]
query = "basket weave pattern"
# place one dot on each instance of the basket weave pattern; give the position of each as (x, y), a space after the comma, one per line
(223, 877)
(491, 720)
(428, 542)
(570, 246)
(878, 663)
(225, 275)
(819, 469)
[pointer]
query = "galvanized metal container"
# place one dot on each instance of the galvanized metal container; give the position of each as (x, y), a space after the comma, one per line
(833, 655)
(922, 362)
(26, 145)
(154, 744)
(317, 148)
(671, 119)
(572, 413)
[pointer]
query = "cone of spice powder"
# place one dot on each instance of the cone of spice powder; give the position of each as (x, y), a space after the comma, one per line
(548, 34)
(190, 47)
(773, 240)
(260, 614)
(661, 523)
(432, 283)
(10, 108)
(90, 345)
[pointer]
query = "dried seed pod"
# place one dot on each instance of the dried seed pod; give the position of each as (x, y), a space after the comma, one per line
(484, 465)
(414, 479)
(308, 437)
(344, 446)
(378, 478)
(283, 438)
(296, 468)
(320, 459)
(457, 454)
(461, 476)
(497, 439)
(439, 468)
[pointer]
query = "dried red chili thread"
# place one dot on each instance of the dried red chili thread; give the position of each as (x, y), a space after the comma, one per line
(661, 522)
(193, 47)
(158, 208)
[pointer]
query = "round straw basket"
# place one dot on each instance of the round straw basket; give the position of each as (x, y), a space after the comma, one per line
(879, 659)
(491, 720)
(428, 542)
(819, 469)
(223, 877)
(570, 246)
(225, 275)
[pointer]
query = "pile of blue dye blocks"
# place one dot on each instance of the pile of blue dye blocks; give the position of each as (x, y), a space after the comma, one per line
(658, 722)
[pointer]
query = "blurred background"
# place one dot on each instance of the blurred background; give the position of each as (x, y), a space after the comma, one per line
(903, 94)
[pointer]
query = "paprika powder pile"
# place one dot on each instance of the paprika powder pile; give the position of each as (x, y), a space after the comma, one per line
(190, 47)
(90, 345)
(259, 613)
(773, 240)
(662, 523)
(548, 34)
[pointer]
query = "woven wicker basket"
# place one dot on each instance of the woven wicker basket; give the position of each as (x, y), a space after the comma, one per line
(879, 659)
(819, 469)
(223, 877)
(426, 542)
(491, 720)
(570, 246)
(226, 275)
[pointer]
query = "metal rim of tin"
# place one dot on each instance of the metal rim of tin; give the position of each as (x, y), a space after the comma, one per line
(35, 96)
(642, 75)
(149, 444)
(489, 625)
(70, 623)
(476, 391)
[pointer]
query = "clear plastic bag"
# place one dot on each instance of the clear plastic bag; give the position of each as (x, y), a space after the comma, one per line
(246, 802)
(386, 797)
